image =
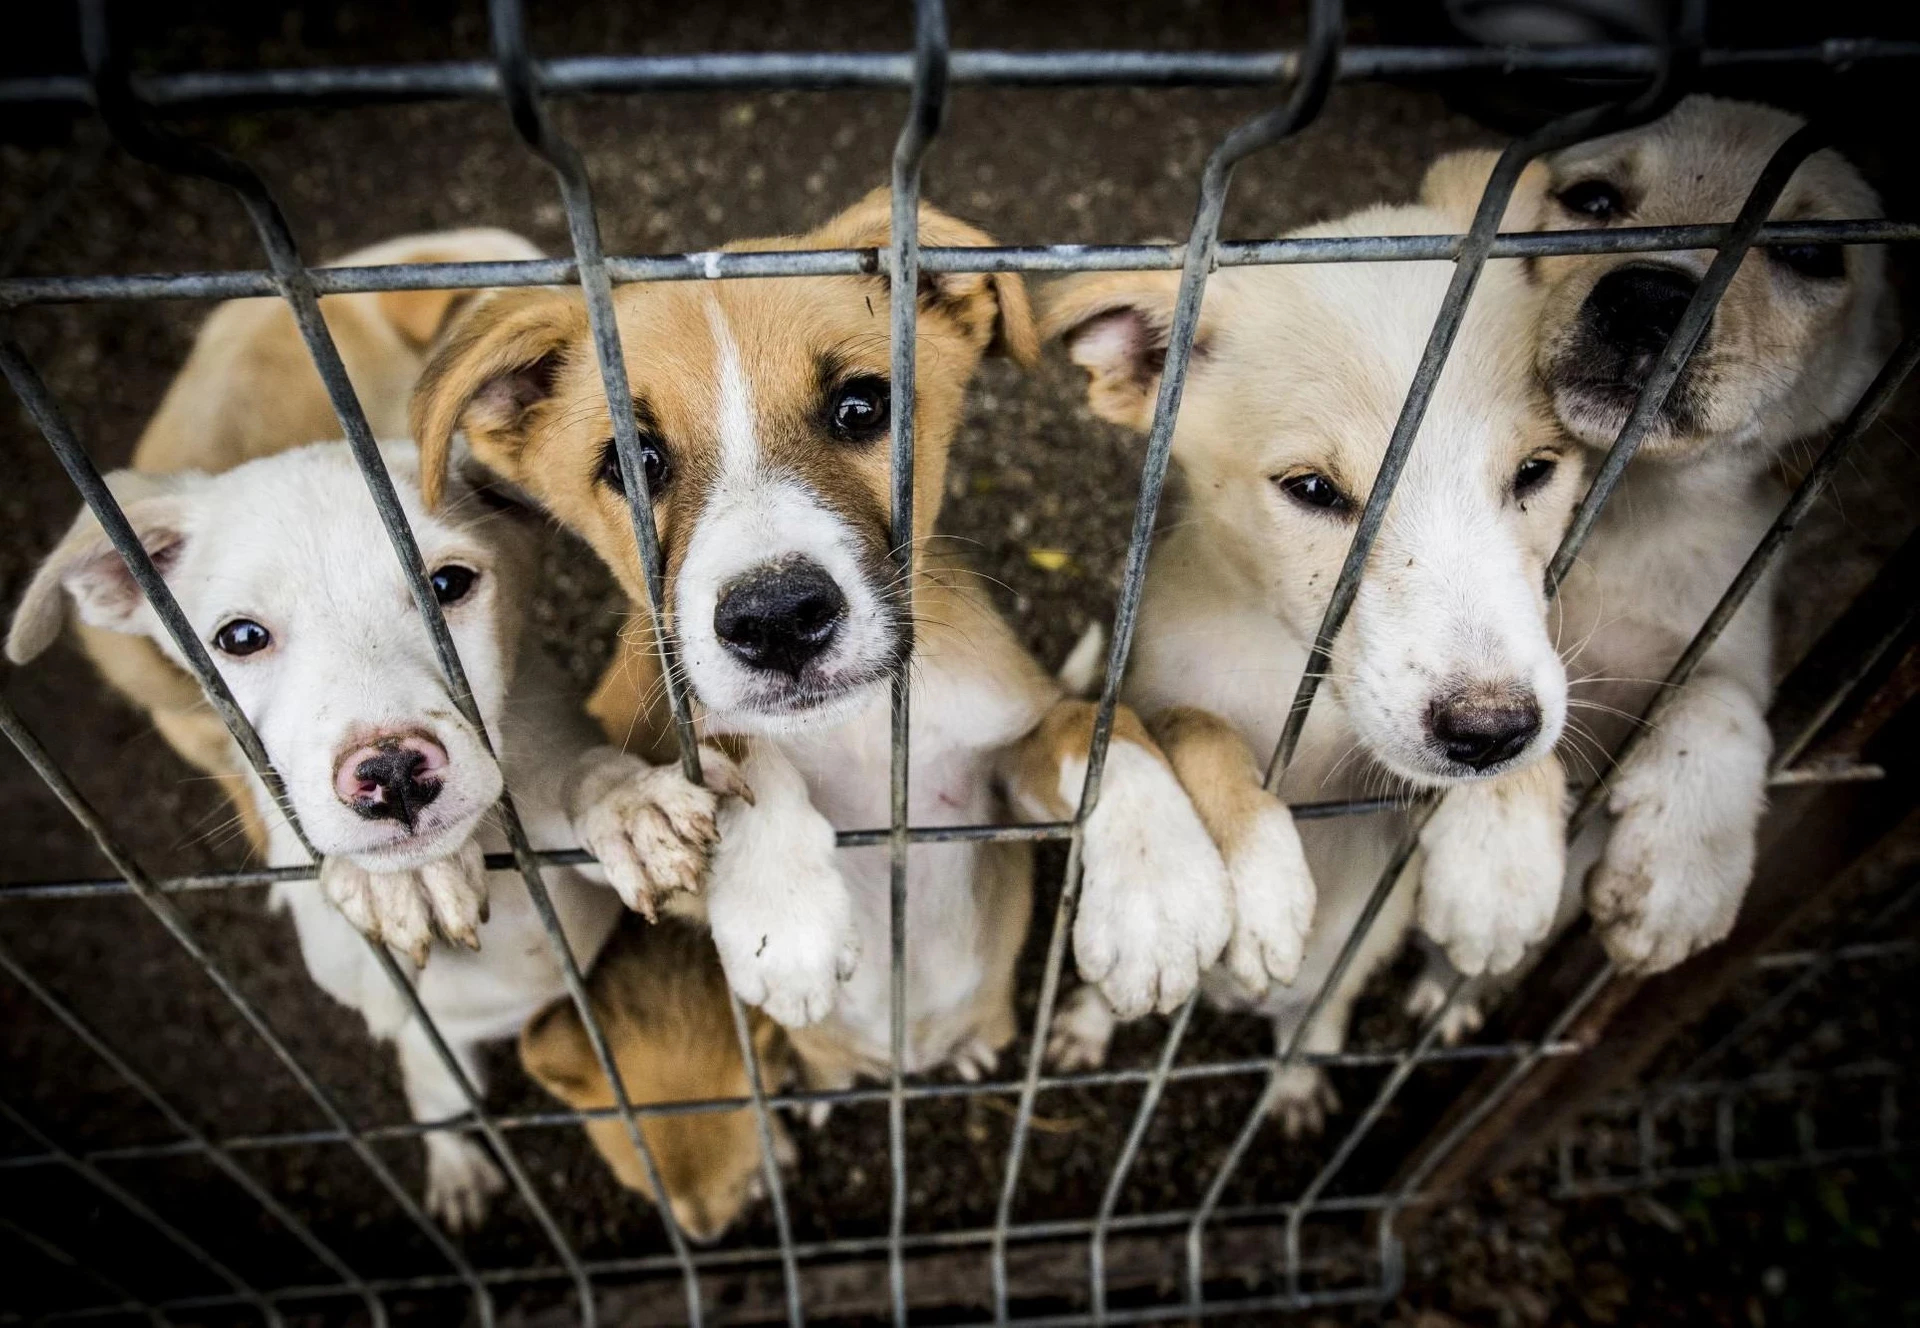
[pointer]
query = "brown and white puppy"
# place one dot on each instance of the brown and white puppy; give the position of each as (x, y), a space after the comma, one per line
(1443, 677)
(763, 407)
(1793, 343)
(661, 999)
(249, 390)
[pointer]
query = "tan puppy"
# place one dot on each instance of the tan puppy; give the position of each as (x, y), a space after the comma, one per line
(763, 408)
(1795, 340)
(1443, 677)
(249, 390)
(662, 1001)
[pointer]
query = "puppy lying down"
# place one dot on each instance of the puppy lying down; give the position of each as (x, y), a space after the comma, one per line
(282, 567)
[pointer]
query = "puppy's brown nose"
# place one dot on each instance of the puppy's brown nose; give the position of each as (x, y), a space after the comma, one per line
(392, 778)
(1480, 732)
(1633, 311)
(781, 616)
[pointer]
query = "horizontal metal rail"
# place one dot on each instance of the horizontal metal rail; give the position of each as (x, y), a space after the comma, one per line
(361, 85)
(732, 265)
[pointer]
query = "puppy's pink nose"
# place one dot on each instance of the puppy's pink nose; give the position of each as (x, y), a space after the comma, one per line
(391, 778)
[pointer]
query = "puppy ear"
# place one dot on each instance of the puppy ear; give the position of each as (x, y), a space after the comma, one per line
(555, 1051)
(1115, 325)
(1455, 182)
(495, 367)
(86, 566)
(991, 308)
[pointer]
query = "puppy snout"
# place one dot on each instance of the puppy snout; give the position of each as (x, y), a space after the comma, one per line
(780, 616)
(1480, 730)
(392, 778)
(1633, 310)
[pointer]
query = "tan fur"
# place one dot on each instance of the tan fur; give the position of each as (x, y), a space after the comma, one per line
(248, 390)
(1218, 770)
(661, 999)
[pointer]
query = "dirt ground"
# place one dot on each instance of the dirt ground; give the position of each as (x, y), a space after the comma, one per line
(1033, 474)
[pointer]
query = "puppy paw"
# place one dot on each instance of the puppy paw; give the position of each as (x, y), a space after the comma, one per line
(652, 831)
(1156, 907)
(1273, 898)
(1428, 996)
(461, 1181)
(974, 1060)
(1081, 1031)
(1661, 892)
(407, 909)
(1495, 859)
(1300, 1098)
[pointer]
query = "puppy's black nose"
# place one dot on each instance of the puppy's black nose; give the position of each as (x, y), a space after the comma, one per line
(1633, 311)
(391, 785)
(1480, 733)
(780, 616)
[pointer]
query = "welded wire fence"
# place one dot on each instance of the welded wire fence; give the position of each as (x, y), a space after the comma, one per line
(1217, 1272)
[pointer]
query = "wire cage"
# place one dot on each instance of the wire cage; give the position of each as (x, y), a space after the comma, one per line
(1314, 1240)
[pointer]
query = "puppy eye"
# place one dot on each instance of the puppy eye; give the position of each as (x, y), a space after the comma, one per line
(242, 636)
(858, 409)
(653, 455)
(1533, 475)
(1312, 489)
(1593, 198)
(1816, 262)
(453, 583)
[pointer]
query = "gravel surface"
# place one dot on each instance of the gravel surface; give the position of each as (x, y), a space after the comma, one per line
(1033, 472)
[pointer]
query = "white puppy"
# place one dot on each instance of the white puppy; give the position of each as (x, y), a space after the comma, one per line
(1791, 346)
(1444, 676)
(283, 569)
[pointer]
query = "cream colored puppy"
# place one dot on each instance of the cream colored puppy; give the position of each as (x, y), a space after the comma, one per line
(1444, 676)
(248, 390)
(1794, 342)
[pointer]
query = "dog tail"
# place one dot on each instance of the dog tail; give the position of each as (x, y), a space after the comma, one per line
(1085, 664)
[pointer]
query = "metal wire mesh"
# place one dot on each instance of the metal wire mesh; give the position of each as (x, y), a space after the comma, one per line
(1292, 1276)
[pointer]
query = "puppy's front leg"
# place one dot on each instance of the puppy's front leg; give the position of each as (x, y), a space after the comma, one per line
(651, 829)
(1686, 804)
(461, 1177)
(782, 917)
(1495, 859)
(1155, 905)
(407, 909)
(1273, 892)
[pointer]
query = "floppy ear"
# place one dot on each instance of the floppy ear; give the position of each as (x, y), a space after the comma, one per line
(1454, 183)
(1115, 325)
(990, 307)
(86, 566)
(495, 367)
(555, 1051)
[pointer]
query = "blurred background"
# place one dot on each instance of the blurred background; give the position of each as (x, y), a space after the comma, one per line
(1040, 497)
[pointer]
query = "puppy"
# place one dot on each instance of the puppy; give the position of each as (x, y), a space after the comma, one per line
(281, 566)
(249, 389)
(1443, 676)
(1792, 345)
(662, 1000)
(763, 409)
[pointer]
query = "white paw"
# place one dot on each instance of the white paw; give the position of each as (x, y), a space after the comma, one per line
(818, 1114)
(1495, 863)
(781, 915)
(407, 909)
(1428, 996)
(974, 1060)
(1662, 891)
(652, 831)
(1156, 908)
(1273, 898)
(1081, 1032)
(461, 1180)
(1301, 1098)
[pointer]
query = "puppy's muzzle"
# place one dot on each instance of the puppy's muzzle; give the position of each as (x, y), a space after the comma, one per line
(1483, 728)
(392, 778)
(780, 616)
(1630, 316)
